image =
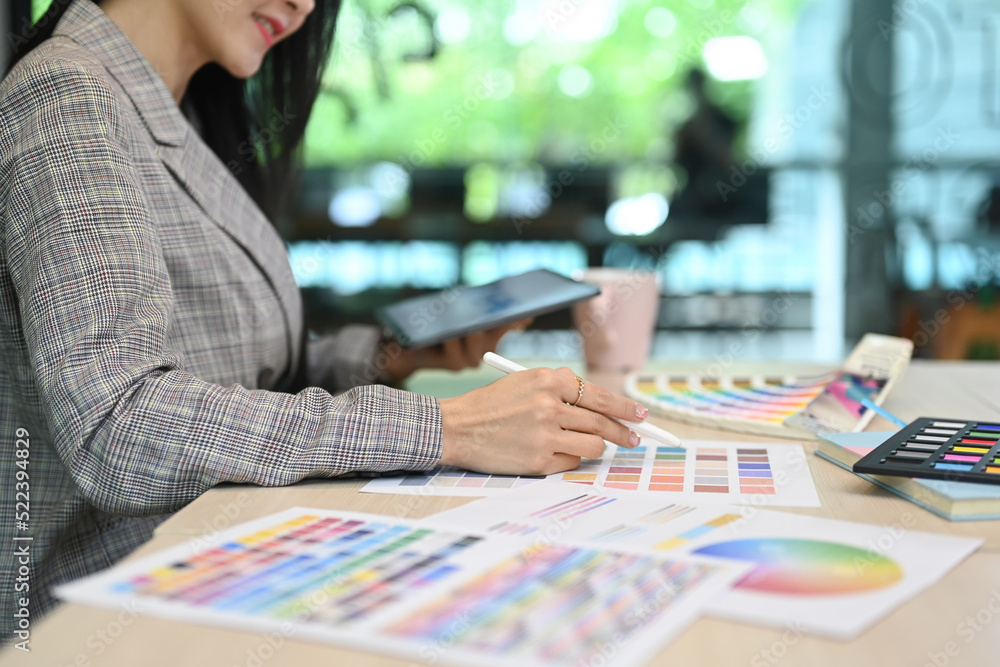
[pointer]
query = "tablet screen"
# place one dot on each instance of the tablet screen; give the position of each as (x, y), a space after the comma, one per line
(434, 318)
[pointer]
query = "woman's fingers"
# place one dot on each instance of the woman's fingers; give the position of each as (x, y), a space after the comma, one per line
(521, 423)
(589, 422)
(476, 345)
(453, 354)
(583, 445)
(599, 399)
(561, 463)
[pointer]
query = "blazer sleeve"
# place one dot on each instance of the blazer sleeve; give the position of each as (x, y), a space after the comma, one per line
(349, 357)
(140, 434)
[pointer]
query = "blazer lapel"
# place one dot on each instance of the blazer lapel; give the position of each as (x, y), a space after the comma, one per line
(222, 198)
(194, 166)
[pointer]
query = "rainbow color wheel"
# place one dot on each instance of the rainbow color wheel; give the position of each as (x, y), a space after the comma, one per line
(807, 567)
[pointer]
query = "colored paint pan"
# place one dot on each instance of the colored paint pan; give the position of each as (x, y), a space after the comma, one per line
(953, 450)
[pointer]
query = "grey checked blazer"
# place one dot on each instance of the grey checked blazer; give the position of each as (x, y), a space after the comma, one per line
(149, 322)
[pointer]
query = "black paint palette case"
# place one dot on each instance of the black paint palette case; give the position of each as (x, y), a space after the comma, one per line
(951, 449)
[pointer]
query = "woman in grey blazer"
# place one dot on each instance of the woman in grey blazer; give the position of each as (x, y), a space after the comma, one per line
(152, 335)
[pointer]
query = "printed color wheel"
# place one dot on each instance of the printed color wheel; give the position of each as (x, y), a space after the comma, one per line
(807, 567)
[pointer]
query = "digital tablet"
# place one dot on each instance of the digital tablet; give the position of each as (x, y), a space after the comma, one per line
(434, 318)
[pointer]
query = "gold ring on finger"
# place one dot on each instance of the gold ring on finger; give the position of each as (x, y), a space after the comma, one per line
(579, 393)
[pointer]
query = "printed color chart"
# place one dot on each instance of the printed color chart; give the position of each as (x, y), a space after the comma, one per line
(705, 472)
(749, 404)
(378, 584)
(829, 577)
(562, 512)
(448, 481)
(581, 592)
(325, 569)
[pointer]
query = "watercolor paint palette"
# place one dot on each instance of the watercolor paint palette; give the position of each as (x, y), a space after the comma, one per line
(951, 449)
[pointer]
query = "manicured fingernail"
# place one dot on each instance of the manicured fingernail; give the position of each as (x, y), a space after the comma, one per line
(633, 438)
(640, 411)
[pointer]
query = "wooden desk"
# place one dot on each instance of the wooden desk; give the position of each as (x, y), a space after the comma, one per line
(954, 622)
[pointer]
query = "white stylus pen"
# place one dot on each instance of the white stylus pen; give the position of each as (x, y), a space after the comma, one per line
(642, 428)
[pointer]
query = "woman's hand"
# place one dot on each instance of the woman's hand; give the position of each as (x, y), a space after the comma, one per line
(454, 354)
(522, 424)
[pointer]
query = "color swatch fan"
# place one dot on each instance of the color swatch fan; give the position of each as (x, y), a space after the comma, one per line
(779, 405)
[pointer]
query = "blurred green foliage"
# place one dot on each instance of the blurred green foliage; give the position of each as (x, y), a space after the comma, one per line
(39, 7)
(484, 98)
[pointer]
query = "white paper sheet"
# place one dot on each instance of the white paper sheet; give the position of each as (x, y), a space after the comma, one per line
(705, 472)
(820, 576)
(423, 593)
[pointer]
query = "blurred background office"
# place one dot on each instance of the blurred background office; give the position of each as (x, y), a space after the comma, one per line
(798, 172)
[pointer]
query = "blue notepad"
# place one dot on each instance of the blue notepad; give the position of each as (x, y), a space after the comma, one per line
(956, 501)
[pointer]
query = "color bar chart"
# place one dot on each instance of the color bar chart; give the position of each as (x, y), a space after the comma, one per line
(626, 469)
(754, 470)
(570, 509)
(717, 472)
(711, 473)
(534, 605)
(684, 538)
(422, 592)
(313, 568)
(706, 471)
(668, 470)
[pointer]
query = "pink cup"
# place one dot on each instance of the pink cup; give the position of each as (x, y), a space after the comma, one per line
(617, 325)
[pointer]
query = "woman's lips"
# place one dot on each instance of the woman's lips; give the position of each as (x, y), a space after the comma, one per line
(265, 33)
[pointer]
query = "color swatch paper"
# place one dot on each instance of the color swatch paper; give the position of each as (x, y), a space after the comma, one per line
(421, 592)
(749, 403)
(448, 481)
(786, 406)
(705, 472)
(558, 511)
(833, 578)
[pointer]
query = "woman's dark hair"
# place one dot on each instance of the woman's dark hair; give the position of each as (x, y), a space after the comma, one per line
(235, 116)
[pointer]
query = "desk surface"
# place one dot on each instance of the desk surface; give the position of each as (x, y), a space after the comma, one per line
(954, 622)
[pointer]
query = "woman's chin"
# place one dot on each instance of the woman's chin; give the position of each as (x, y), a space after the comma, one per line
(243, 67)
